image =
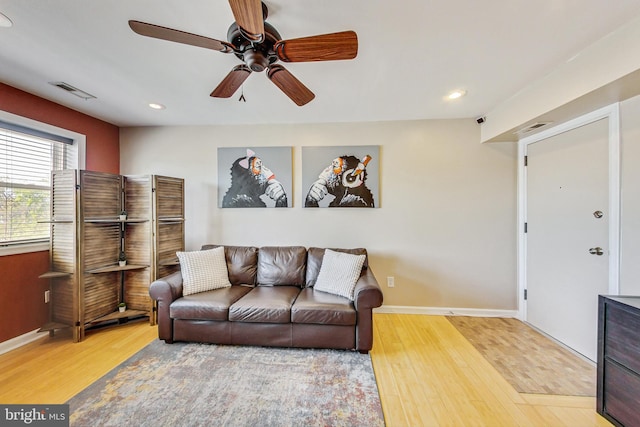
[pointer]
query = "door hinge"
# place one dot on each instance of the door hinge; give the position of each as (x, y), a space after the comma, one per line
(526, 160)
(77, 186)
(526, 227)
(525, 294)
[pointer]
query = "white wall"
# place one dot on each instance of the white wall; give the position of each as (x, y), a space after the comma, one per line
(594, 78)
(630, 198)
(445, 229)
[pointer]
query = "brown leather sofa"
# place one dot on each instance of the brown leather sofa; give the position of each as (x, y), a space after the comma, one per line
(271, 302)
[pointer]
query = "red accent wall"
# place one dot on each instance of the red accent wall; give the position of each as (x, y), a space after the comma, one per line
(22, 307)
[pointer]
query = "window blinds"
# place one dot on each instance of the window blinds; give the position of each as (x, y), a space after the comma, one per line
(27, 157)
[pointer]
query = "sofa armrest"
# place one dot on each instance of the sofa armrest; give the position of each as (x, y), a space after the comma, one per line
(367, 293)
(367, 296)
(165, 291)
(168, 288)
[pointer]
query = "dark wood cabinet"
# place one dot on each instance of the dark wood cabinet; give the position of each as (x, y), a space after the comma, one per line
(618, 398)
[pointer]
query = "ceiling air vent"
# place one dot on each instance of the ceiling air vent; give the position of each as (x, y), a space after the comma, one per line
(73, 90)
(532, 127)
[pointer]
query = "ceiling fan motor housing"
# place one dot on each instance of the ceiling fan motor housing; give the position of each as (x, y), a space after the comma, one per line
(257, 56)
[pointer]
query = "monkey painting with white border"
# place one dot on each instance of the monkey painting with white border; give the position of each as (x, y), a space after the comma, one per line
(252, 182)
(345, 180)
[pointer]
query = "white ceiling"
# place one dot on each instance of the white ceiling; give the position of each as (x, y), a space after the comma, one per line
(411, 54)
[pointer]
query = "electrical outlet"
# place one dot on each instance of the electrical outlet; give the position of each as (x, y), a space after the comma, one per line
(46, 297)
(391, 282)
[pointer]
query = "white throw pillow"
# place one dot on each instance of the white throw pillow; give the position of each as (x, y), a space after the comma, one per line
(339, 273)
(203, 270)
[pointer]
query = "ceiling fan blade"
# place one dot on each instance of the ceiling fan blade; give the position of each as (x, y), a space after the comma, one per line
(164, 33)
(324, 47)
(291, 86)
(249, 17)
(230, 84)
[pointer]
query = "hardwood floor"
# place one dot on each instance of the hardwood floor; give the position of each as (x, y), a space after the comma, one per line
(52, 370)
(530, 361)
(428, 375)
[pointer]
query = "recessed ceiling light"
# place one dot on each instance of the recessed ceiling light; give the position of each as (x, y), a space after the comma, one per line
(156, 106)
(5, 21)
(458, 93)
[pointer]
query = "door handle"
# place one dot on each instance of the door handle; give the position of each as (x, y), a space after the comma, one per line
(596, 251)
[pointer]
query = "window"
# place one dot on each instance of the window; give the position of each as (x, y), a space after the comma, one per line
(27, 157)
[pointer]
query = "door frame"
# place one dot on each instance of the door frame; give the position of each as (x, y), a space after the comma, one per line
(612, 114)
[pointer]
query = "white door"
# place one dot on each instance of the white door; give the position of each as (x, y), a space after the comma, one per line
(568, 234)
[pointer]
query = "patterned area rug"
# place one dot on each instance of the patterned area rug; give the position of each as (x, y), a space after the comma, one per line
(206, 385)
(528, 360)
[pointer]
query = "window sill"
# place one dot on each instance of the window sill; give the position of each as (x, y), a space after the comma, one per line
(24, 249)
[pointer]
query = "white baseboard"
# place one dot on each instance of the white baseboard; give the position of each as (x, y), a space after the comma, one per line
(445, 311)
(21, 340)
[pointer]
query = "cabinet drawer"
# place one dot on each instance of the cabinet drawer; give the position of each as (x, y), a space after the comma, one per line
(621, 394)
(621, 339)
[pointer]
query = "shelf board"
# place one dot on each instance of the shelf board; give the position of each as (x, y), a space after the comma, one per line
(51, 326)
(54, 274)
(120, 315)
(102, 220)
(115, 220)
(111, 268)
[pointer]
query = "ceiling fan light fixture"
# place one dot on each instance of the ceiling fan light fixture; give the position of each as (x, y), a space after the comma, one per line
(256, 60)
(456, 94)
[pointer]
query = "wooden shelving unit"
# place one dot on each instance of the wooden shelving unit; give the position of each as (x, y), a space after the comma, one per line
(62, 274)
(168, 224)
(86, 281)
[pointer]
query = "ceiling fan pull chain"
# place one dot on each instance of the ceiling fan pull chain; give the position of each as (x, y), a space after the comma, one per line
(242, 98)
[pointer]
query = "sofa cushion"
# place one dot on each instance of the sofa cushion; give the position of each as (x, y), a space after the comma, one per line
(210, 305)
(242, 263)
(282, 265)
(339, 273)
(322, 308)
(314, 261)
(265, 304)
(203, 270)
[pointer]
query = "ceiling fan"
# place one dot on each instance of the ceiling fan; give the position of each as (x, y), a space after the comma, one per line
(259, 45)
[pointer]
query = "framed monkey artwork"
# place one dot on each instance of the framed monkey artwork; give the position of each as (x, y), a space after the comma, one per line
(342, 176)
(258, 177)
